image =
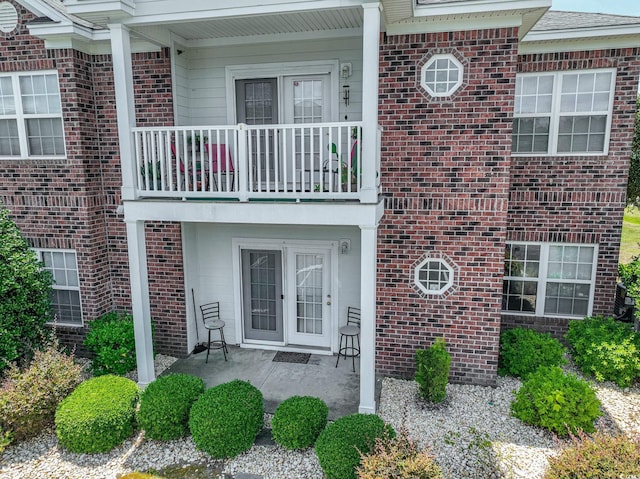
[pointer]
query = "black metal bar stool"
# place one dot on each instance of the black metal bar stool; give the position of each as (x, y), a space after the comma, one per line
(212, 322)
(350, 332)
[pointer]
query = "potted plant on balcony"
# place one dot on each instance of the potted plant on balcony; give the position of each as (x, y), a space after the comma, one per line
(147, 173)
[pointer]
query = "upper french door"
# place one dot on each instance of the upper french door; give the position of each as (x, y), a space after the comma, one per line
(293, 99)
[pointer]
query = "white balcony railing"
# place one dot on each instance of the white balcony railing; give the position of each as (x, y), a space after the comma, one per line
(311, 160)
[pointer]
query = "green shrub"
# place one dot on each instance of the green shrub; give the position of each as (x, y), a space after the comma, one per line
(556, 401)
(607, 349)
(298, 421)
(340, 444)
(98, 415)
(522, 351)
(111, 339)
(432, 371)
(398, 458)
(5, 439)
(226, 419)
(25, 292)
(165, 405)
(30, 397)
(598, 457)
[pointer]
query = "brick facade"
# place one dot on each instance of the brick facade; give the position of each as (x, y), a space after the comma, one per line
(578, 199)
(451, 188)
(71, 203)
(445, 174)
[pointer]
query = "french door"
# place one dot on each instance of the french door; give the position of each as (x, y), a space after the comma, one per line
(291, 100)
(286, 296)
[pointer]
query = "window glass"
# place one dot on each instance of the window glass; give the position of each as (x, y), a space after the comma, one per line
(30, 115)
(563, 274)
(579, 122)
(434, 276)
(65, 294)
(441, 75)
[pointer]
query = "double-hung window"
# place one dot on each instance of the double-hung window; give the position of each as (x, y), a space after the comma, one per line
(30, 115)
(65, 294)
(563, 113)
(545, 279)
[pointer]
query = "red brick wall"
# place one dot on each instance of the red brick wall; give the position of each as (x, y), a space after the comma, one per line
(71, 203)
(445, 172)
(578, 199)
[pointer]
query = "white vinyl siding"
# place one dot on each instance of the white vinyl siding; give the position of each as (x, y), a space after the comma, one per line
(65, 295)
(545, 279)
(563, 113)
(30, 116)
(206, 74)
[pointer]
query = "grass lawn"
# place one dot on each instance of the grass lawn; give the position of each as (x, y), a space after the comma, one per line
(630, 235)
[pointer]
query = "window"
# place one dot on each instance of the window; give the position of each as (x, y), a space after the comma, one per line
(549, 279)
(433, 276)
(563, 112)
(65, 296)
(441, 75)
(30, 115)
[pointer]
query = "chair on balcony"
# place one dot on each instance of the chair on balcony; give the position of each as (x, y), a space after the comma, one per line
(188, 171)
(221, 164)
(212, 322)
(350, 333)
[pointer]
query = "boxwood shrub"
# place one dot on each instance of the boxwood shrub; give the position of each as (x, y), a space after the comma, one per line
(111, 340)
(523, 350)
(226, 419)
(298, 421)
(340, 444)
(556, 401)
(98, 415)
(607, 349)
(165, 405)
(432, 371)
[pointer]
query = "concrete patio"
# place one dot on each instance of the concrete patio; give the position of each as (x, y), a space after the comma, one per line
(338, 387)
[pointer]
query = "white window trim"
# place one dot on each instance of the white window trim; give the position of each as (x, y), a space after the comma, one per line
(432, 60)
(542, 280)
(554, 114)
(418, 283)
(39, 252)
(21, 117)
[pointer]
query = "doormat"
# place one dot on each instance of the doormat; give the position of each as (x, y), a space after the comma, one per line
(287, 357)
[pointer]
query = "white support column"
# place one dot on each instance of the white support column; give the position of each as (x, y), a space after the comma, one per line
(370, 64)
(125, 103)
(368, 249)
(140, 301)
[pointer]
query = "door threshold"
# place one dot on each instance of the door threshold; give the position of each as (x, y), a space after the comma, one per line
(292, 348)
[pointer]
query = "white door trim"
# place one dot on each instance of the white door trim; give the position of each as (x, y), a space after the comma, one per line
(279, 71)
(237, 244)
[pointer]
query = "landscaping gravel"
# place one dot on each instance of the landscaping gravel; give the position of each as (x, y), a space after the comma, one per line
(471, 434)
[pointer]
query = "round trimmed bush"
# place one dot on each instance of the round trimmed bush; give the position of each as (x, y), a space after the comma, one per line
(226, 419)
(98, 415)
(523, 350)
(556, 401)
(165, 405)
(298, 421)
(339, 446)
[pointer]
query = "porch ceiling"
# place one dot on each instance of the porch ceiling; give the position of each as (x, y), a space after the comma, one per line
(272, 24)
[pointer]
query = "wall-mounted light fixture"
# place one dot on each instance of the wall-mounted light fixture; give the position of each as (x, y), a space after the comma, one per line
(345, 245)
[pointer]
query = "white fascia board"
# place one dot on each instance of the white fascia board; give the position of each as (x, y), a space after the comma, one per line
(66, 29)
(274, 38)
(80, 7)
(453, 25)
(147, 13)
(477, 6)
(264, 213)
(579, 44)
(580, 33)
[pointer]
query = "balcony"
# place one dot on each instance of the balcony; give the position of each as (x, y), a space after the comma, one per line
(310, 161)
